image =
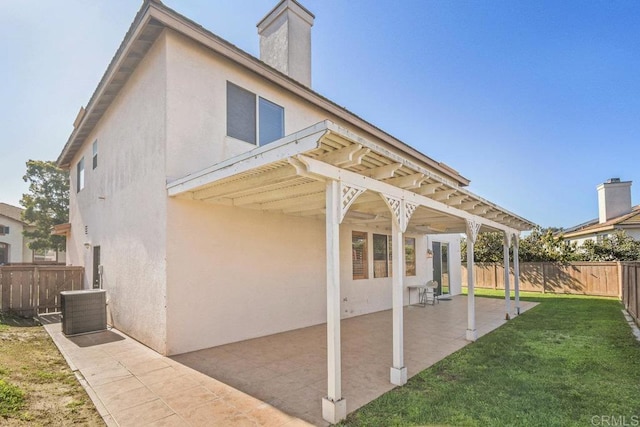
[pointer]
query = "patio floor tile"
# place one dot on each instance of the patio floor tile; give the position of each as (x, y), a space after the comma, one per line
(142, 414)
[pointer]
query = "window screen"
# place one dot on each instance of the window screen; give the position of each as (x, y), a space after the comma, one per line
(271, 121)
(241, 114)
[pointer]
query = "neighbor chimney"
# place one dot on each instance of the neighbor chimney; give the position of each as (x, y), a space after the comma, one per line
(285, 40)
(614, 199)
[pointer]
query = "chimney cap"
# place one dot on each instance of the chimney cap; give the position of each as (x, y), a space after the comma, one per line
(284, 4)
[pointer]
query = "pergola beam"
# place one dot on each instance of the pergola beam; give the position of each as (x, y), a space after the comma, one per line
(346, 157)
(407, 181)
(321, 169)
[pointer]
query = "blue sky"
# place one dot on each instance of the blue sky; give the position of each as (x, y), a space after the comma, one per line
(537, 102)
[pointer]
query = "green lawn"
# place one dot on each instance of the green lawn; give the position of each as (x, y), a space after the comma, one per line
(567, 362)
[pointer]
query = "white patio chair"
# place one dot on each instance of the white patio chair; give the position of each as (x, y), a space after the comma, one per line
(429, 295)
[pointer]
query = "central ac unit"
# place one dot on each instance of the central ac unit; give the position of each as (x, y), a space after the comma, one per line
(83, 311)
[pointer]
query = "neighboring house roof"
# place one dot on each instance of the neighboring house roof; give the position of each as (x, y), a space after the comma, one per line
(629, 220)
(149, 23)
(10, 211)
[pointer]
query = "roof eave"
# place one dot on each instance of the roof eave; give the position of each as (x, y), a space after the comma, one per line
(184, 25)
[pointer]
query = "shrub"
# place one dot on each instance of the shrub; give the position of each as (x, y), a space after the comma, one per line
(11, 398)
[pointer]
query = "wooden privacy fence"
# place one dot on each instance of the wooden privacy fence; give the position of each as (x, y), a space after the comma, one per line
(630, 288)
(27, 290)
(589, 278)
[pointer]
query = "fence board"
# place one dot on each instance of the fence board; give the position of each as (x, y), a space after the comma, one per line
(30, 289)
(590, 278)
(630, 291)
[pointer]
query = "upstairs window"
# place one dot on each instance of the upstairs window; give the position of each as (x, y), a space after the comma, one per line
(3, 230)
(80, 175)
(95, 154)
(251, 118)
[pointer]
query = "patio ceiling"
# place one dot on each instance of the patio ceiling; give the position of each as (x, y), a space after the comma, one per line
(289, 176)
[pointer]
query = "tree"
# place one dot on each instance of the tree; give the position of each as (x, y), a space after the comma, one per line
(546, 245)
(616, 247)
(540, 245)
(488, 248)
(46, 204)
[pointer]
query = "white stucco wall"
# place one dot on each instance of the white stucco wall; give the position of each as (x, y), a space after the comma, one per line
(183, 275)
(123, 204)
(235, 274)
(18, 249)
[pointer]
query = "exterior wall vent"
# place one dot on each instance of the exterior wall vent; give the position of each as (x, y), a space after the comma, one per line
(83, 311)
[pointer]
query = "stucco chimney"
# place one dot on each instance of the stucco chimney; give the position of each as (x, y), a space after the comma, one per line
(614, 199)
(285, 40)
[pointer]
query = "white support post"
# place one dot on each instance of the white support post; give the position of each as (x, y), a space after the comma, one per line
(507, 287)
(398, 370)
(516, 273)
(334, 406)
(472, 234)
(401, 213)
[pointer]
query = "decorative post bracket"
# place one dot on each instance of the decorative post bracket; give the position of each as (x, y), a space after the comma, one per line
(348, 194)
(473, 228)
(401, 210)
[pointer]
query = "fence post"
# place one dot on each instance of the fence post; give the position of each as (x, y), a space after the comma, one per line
(544, 278)
(619, 280)
(35, 284)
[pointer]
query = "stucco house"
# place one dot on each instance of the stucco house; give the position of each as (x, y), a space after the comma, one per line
(13, 246)
(217, 197)
(615, 212)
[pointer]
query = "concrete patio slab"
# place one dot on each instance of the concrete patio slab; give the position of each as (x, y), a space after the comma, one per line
(277, 380)
(289, 370)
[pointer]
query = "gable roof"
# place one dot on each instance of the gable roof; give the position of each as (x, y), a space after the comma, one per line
(152, 18)
(629, 220)
(10, 211)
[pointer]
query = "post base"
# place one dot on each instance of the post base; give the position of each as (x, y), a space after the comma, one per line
(398, 376)
(334, 412)
(472, 335)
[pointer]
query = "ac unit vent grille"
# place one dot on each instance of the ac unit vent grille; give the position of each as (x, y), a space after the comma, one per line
(83, 311)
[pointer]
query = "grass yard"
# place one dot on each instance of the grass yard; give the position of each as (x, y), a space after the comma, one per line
(37, 388)
(570, 361)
